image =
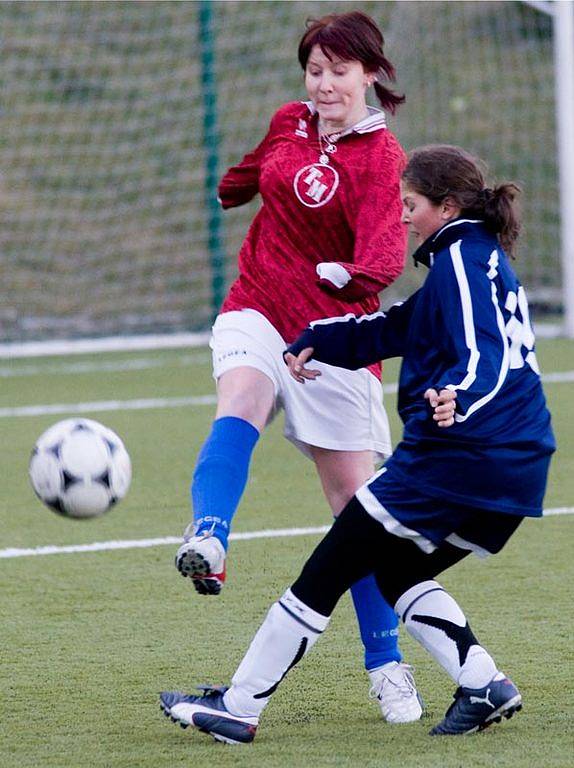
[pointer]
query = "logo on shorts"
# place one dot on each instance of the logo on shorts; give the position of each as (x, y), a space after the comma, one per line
(316, 184)
(231, 353)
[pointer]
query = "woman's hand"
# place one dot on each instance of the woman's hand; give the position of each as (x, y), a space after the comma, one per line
(296, 365)
(443, 403)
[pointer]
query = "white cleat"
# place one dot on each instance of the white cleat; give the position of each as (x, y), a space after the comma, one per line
(394, 687)
(202, 559)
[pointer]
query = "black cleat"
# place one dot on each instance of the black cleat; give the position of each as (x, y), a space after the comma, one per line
(474, 709)
(209, 714)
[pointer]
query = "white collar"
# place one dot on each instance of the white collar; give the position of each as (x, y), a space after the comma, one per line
(374, 121)
(455, 223)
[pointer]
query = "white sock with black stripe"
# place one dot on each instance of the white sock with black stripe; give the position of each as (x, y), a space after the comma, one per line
(290, 629)
(434, 618)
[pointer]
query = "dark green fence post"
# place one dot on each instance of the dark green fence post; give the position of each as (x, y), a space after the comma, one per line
(211, 148)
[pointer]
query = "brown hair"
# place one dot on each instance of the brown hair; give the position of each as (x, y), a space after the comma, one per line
(352, 37)
(440, 171)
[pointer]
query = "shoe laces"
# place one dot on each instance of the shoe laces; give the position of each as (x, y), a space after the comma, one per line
(191, 531)
(212, 690)
(405, 687)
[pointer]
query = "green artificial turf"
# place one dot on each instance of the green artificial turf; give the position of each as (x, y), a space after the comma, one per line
(89, 639)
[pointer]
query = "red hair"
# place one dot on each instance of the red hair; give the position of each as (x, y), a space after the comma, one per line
(352, 36)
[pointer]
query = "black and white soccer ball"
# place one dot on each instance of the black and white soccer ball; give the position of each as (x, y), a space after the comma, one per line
(79, 468)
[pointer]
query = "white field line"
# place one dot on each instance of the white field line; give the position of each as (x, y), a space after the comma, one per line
(139, 404)
(106, 344)
(559, 377)
(96, 366)
(107, 546)
(104, 546)
(199, 357)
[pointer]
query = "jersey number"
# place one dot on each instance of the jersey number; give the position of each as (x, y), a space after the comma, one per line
(519, 331)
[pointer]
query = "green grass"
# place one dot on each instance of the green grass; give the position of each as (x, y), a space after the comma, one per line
(90, 639)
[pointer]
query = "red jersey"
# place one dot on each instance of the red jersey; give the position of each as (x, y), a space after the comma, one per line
(341, 206)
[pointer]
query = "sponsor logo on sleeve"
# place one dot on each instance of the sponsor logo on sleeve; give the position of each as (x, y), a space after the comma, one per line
(301, 129)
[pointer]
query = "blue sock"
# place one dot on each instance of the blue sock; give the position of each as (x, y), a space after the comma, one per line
(221, 473)
(378, 624)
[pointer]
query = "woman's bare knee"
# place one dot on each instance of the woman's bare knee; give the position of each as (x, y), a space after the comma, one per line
(342, 473)
(247, 394)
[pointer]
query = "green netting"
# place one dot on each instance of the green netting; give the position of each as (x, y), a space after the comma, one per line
(112, 129)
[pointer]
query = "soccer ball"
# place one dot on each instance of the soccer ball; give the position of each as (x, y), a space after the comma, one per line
(79, 468)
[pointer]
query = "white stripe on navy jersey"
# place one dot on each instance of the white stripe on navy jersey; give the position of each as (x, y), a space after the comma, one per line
(467, 318)
(456, 223)
(378, 512)
(349, 316)
(458, 541)
(470, 337)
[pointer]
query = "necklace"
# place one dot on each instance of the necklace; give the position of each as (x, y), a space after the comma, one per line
(329, 140)
(330, 146)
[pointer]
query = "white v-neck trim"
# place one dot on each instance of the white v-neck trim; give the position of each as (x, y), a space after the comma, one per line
(375, 121)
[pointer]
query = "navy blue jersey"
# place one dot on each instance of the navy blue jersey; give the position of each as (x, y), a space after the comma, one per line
(466, 329)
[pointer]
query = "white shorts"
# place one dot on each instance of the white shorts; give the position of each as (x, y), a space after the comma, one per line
(341, 410)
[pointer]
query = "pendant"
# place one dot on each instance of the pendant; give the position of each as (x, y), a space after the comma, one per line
(324, 159)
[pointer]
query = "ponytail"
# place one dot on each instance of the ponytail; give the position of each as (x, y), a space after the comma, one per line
(498, 208)
(388, 99)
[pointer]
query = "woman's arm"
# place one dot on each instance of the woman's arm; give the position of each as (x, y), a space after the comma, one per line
(355, 342)
(241, 182)
(380, 237)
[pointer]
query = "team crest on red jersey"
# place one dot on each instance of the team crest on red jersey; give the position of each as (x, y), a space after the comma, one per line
(316, 184)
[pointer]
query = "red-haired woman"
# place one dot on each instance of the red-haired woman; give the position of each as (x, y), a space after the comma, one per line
(326, 240)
